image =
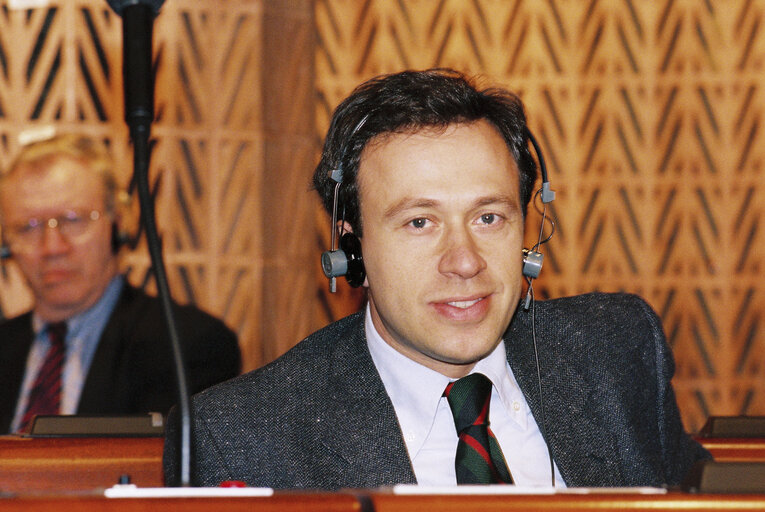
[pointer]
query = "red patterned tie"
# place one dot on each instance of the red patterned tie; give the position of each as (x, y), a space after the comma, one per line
(45, 396)
(479, 458)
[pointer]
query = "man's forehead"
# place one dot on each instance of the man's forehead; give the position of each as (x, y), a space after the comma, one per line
(419, 139)
(434, 132)
(53, 169)
(404, 133)
(53, 186)
(465, 166)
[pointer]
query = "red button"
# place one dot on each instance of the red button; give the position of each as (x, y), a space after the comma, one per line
(232, 483)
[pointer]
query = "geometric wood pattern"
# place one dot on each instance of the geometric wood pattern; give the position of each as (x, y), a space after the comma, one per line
(224, 164)
(650, 115)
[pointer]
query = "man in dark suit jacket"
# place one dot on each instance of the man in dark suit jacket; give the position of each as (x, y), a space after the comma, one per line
(432, 178)
(60, 223)
(132, 371)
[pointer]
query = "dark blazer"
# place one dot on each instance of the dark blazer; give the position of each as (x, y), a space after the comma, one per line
(319, 416)
(132, 369)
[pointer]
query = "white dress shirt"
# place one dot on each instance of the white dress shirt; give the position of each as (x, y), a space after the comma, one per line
(427, 423)
(83, 334)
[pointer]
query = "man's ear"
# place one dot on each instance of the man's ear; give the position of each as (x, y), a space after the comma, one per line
(343, 227)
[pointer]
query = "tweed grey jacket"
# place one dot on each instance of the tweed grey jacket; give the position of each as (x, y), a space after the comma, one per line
(319, 416)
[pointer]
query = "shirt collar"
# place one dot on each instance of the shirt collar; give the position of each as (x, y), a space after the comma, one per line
(497, 369)
(400, 375)
(417, 411)
(74, 324)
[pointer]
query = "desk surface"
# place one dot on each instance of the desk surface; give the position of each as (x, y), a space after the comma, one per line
(735, 449)
(567, 502)
(283, 503)
(366, 501)
(78, 464)
(82, 464)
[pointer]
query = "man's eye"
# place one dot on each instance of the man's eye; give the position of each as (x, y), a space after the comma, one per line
(71, 218)
(488, 218)
(30, 227)
(418, 223)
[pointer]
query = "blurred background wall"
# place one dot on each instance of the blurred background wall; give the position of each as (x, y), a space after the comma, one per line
(649, 112)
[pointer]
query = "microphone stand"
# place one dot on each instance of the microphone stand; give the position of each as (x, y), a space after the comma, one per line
(141, 155)
(137, 21)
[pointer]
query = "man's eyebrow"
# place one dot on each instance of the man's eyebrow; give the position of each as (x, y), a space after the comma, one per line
(508, 201)
(409, 203)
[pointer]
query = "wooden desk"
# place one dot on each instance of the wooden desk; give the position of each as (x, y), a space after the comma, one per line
(78, 464)
(83, 464)
(289, 502)
(735, 449)
(568, 502)
(367, 501)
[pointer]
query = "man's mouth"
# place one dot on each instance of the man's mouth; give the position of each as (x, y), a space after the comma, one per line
(464, 304)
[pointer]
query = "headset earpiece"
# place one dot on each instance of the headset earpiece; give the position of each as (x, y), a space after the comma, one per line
(116, 241)
(5, 249)
(345, 261)
(119, 238)
(532, 263)
(356, 273)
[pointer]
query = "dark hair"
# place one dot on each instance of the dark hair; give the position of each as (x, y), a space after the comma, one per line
(407, 102)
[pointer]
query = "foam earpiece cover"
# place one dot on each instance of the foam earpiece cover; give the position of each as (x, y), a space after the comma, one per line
(351, 245)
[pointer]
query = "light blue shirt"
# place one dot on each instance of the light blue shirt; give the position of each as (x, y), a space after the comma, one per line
(427, 423)
(82, 335)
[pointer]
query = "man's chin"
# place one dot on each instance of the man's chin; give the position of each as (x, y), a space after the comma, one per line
(59, 302)
(466, 354)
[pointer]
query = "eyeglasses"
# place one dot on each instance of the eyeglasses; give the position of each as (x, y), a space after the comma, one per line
(71, 224)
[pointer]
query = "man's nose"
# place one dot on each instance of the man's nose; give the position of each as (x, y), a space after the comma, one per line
(53, 242)
(461, 256)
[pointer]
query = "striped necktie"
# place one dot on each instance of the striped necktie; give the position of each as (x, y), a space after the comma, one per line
(45, 396)
(479, 458)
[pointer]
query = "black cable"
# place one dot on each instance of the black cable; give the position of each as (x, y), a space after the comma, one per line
(546, 195)
(138, 83)
(141, 152)
(543, 423)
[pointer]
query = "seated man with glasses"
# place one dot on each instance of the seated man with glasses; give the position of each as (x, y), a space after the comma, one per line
(92, 343)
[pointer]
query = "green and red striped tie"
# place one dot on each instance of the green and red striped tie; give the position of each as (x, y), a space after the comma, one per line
(479, 458)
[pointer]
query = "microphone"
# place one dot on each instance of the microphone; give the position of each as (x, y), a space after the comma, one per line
(137, 24)
(138, 82)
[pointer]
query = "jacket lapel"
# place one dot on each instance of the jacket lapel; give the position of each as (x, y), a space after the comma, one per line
(104, 369)
(360, 425)
(16, 340)
(583, 450)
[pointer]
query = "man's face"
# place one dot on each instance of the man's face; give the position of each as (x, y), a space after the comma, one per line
(67, 272)
(442, 242)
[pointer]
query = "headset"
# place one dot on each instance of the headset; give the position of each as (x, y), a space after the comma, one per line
(347, 260)
(533, 258)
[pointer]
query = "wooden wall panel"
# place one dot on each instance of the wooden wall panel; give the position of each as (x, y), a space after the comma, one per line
(288, 293)
(228, 167)
(650, 117)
